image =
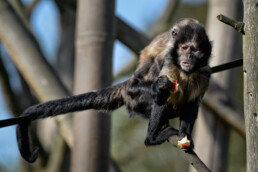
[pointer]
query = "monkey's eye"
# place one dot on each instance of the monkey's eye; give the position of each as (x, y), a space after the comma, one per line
(193, 49)
(184, 47)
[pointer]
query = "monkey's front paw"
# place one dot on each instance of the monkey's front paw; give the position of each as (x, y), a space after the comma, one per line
(163, 83)
(160, 89)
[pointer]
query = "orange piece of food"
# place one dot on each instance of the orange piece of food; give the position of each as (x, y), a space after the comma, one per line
(175, 84)
(184, 143)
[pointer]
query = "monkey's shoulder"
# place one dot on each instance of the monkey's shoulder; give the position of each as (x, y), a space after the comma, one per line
(156, 49)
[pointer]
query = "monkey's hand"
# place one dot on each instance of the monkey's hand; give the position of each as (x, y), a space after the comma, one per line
(161, 89)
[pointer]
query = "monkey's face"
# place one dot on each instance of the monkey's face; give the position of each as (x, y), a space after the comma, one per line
(188, 56)
(192, 48)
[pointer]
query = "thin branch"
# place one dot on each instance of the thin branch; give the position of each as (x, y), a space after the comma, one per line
(31, 8)
(57, 154)
(228, 114)
(226, 66)
(129, 68)
(165, 19)
(239, 26)
(114, 167)
(133, 39)
(191, 156)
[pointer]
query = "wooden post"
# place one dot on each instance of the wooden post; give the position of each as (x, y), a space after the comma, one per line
(250, 69)
(93, 69)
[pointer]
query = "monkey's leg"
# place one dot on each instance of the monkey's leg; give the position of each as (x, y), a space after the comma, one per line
(188, 116)
(143, 70)
(137, 84)
(159, 117)
(136, 87)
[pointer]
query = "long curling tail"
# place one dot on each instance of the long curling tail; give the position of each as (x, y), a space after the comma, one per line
(108, 99)
(24, 145)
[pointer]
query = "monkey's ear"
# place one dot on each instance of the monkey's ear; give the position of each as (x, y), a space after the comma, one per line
(174, 32)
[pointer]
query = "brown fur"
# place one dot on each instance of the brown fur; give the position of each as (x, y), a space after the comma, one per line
(155, 52)
(191, 86)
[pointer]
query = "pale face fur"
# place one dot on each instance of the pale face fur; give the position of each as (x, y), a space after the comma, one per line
(188, 55)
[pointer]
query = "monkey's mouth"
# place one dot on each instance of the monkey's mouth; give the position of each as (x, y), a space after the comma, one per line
(186, 64)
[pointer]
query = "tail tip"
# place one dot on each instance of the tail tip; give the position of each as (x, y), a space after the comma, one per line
(33, 155)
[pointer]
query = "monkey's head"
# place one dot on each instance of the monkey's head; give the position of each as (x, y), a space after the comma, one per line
(192, 48)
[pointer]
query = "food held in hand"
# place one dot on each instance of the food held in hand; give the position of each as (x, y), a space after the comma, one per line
(175, 84)
(184, 142)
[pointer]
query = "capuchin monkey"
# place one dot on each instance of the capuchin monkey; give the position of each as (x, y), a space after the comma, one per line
(169, 82)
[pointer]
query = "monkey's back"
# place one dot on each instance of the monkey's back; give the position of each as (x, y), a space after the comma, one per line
(155, 50)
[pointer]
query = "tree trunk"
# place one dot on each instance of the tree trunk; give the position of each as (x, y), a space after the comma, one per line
(65, 57)
(93, 68)
(250, 51)
(211, 134)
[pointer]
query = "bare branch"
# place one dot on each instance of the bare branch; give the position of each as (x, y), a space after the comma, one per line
(56, 155)
(133, 39)
(31, 7)
(228, 114)
(239, 26)
(226, 66)
(127, 69)
(165, 19)
(191, 156)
